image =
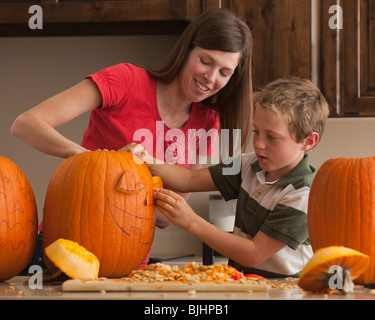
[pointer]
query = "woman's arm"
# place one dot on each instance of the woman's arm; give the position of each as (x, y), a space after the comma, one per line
(173, 176)
(37, 126)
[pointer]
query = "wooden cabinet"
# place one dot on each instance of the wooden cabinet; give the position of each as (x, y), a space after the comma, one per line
(291, 37)
(87, 17)
(348, 59)
(55, 11)
(282, 37)
(296, 38)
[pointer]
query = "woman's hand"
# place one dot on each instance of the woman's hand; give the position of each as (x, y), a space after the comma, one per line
(174, 207)
(139, 151)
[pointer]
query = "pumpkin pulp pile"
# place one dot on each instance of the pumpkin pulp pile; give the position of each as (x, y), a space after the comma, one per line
(190, 273)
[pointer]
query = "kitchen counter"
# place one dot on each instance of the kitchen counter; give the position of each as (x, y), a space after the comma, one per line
(18, 288)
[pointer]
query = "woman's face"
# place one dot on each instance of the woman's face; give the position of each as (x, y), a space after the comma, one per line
(205, 72)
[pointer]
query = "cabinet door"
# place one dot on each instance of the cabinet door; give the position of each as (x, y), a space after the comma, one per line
(348, 59)
(90, 17)
(106, 10)
(72, 11)
(281, 31)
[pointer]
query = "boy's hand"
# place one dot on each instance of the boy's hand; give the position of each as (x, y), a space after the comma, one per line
(174, 207)
(139, 151)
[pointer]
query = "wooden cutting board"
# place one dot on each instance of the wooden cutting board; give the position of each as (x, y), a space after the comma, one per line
(125, 285)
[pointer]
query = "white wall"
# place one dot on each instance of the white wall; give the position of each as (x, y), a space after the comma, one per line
(32, 69)
(346, 137)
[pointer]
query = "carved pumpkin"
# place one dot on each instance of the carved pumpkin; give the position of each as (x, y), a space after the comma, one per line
(103, 200)
(341, 208)
(18, 220)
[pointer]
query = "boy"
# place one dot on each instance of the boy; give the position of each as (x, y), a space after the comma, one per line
(270, 235)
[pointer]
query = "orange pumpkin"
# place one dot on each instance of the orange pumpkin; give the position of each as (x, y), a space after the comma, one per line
(103, 200)
(18, 220)
(341, 209)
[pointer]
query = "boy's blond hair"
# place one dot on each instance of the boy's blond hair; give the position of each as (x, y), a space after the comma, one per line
(300, 101)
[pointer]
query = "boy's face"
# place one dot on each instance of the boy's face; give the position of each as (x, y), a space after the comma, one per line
(278, 153)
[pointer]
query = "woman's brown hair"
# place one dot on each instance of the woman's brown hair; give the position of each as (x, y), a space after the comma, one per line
(219, 30)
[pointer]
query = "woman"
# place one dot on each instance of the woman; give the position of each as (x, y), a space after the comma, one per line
(204, 83)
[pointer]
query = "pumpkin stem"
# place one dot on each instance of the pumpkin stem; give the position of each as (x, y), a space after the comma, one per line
(348, 285)
(344, 285)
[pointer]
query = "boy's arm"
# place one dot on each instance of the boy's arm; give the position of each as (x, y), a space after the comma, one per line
(248, 252)
(173, 176)
(182, 179)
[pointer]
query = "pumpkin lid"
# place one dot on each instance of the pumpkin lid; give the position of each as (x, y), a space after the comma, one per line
(74, 260)
(315, 275)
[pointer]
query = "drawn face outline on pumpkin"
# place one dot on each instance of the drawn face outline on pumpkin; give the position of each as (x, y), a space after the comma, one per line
(5, 186)
(128, 188)
(134, 186)
(134, 230)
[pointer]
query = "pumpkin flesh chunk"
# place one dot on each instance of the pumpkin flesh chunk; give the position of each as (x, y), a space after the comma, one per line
(315, 276)
(158, 183)
(74, 260)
